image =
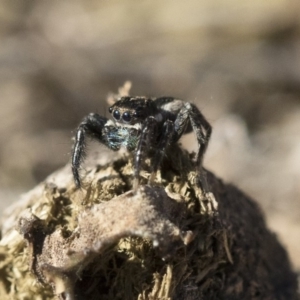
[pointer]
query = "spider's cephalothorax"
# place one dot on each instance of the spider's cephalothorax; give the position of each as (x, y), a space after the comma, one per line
(145, 126)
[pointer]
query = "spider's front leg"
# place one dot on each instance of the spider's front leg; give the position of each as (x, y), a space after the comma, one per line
(146, 141)
(91, 126)
(155, 139)
(201, 127)
(164, 142)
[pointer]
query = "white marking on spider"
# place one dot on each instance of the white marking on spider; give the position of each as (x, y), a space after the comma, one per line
(173, 106)
(158, 117)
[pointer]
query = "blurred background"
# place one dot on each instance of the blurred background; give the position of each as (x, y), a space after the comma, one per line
(239, 61)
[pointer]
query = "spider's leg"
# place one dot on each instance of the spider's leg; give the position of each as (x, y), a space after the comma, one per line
(202, 130)
(91, 126)
(146, 140)
(200, 125)
(165, 140)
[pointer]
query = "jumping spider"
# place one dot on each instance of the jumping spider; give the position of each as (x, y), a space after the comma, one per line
(141, 124)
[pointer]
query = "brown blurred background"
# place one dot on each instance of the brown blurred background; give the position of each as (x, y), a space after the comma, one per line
(239, 61)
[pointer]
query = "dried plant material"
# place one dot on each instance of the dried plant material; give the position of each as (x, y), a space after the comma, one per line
(122, 91)
(150, 214)
(189, 236)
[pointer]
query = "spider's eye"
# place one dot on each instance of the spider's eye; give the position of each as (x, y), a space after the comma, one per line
(116, 115)
(126, 116)
(110, 110)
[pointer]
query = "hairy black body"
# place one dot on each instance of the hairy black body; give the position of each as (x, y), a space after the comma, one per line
(145, 126)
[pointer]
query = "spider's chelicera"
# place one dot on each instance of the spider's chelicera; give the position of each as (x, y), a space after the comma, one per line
(145, 126)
